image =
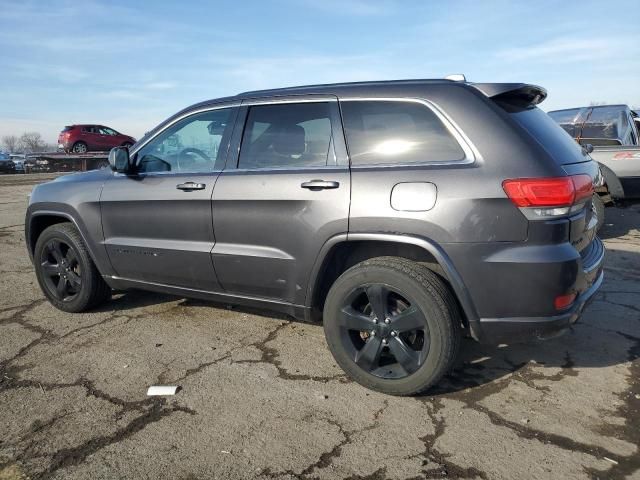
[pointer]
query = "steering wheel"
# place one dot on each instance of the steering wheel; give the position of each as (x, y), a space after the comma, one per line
(187, 151)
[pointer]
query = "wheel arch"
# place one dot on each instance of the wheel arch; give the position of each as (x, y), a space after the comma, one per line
(39, 220)
(612, 181)
(343, 251)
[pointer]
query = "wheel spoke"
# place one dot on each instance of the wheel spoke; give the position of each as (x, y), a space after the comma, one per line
(368, 356)
(74, 279)
(61, 288)
(409, 319)
(49, 269)
(354, 320)
(56, 251)
(378, 298)
(71, 258)
(405, 355)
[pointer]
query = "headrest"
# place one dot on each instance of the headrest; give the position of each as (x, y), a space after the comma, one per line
(290, 140)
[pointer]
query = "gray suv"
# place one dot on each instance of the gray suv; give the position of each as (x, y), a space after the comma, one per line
(400, 214)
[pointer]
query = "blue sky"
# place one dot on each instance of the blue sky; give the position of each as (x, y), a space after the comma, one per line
(131, 64)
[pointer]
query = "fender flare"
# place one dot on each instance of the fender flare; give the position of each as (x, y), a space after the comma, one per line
(32, 213)
(450, 272)
(613, 182)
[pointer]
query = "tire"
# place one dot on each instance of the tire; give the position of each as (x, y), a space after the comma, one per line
(416, 297)
(598, 208)
(80, 147)
(61, 252)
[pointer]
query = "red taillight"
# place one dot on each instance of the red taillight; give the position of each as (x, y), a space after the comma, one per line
(563, 301)
(548, 192)
(583, 186)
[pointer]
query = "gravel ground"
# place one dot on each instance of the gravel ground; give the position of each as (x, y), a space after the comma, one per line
(262, 397)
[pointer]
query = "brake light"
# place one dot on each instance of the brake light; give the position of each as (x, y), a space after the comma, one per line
(548, 192)
(564, 301)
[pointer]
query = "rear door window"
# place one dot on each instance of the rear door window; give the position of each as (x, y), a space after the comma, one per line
(396, 132)
(295, 135)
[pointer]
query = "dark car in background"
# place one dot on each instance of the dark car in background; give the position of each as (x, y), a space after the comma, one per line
(6, 164)
(91, 137)
(398, 213)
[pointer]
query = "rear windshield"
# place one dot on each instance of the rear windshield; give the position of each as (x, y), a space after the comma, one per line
(67, 128)
(557, 142)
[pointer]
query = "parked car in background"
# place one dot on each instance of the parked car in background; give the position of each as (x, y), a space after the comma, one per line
(614, 134)
(96, 138)
(6, 164)
(398, 213)
(18, 160)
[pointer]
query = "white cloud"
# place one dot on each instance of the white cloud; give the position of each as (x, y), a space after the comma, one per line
(566, 49)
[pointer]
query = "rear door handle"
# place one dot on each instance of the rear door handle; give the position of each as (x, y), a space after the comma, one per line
(188, 186)
(320, 184)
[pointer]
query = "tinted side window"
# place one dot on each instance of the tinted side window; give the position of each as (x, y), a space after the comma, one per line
(194, 144)
(383, 132)
(287, 135)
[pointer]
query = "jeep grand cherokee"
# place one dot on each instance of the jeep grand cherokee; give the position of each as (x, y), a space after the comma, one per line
(397, 213)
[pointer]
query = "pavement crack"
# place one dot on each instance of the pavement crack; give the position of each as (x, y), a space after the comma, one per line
(271, 356)
(69, 457)
(444, 467)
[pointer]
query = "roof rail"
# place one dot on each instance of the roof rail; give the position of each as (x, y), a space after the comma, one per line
(456, 77)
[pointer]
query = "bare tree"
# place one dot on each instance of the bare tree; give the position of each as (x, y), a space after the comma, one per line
(11, 143)
(31, 142)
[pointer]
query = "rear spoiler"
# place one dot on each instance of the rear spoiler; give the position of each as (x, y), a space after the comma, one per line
(522, 95)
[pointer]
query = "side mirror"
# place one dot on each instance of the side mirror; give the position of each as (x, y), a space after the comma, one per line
(587, 147)
(119, 160)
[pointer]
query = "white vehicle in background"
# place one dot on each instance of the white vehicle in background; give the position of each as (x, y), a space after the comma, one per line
(18, 161)
(612, 131)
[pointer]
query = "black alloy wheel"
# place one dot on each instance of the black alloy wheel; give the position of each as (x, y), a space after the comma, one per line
(393, 325)
(386, 334)
(62, 271)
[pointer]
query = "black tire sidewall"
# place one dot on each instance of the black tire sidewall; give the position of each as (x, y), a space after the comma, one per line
(434, 310)
(83, 299)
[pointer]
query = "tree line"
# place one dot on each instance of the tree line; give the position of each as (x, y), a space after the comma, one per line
(28, 142)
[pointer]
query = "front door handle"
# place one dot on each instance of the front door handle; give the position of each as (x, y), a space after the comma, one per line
(188, 186)
(320, 184)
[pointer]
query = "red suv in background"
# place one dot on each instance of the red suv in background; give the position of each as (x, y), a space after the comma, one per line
(83, 138)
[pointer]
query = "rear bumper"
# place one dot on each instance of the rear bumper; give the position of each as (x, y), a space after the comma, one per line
(520, 329)
(517, 303)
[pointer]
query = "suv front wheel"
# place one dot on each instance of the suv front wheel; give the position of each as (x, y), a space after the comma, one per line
(393, 325)
(66, 274)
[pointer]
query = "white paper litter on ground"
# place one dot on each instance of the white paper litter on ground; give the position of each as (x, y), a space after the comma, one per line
(156, 390)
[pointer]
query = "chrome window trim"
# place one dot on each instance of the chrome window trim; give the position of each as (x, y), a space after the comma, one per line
(471, 153)
(319, 98)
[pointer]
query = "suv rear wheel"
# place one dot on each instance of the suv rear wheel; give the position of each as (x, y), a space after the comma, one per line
(66, 274)
(79, 147)
(393, 325)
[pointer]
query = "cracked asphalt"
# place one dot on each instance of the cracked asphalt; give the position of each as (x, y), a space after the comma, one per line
(262, 397)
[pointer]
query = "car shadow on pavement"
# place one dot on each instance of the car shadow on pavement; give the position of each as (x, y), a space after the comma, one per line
(133, 299)
(620, 220)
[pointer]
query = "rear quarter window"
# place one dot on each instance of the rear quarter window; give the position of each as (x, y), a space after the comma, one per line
(556, 141)
(396, 132)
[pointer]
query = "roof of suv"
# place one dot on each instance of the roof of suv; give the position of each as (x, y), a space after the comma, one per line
(361, 88)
